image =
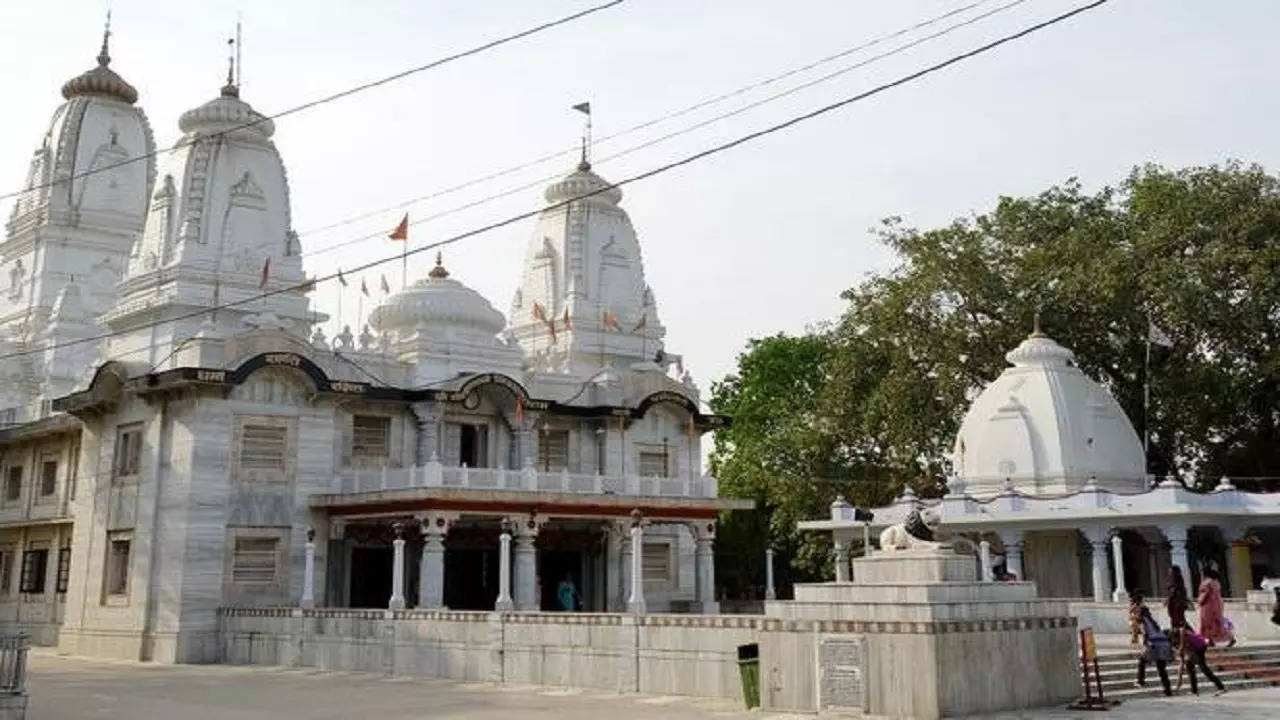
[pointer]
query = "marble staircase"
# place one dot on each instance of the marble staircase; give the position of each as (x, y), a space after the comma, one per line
(1248, 665)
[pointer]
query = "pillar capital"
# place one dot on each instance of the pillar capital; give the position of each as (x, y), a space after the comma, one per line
(1012, 537)
(1097, 535)
(1176, 534)
(436, 523)
(526, 526)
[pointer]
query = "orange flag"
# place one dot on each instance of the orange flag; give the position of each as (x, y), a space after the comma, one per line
(539, 312)
(402, 230)
(266, 273)
(641, 324)
(610, 320)
(551, 326)
(567, 325)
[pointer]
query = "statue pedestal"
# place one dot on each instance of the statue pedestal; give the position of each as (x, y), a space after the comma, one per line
(917, 635)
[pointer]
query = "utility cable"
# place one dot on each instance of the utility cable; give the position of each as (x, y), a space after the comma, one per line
(661, 139)
(687, 160)
(328, 98)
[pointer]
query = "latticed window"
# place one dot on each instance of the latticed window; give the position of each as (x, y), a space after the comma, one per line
(35, 561)
(653, 463)
(370, 436)
(656, 562)
(254, 561)
(64, 568)
(13, 484)
(6, 570)
(553, 450)
(49, 477)
(262, 447)
(128, 450)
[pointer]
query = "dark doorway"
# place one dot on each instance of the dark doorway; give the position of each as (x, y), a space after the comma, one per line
(470, 579)
(370, 577)
(553, 567)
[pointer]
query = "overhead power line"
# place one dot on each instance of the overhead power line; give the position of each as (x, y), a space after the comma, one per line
(663, 138)
(330, 98)
(687, 160)
(648, 123)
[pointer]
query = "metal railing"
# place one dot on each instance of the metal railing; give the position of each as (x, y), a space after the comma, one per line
(435, 474)
(13, 664)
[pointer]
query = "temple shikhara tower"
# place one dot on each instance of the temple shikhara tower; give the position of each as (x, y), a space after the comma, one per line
(163, 456)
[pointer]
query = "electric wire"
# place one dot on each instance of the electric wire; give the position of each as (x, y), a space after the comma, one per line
(648, 143)
(686, 160)
(328, 98)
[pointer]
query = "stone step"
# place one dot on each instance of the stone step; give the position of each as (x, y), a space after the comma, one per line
(1153, 688)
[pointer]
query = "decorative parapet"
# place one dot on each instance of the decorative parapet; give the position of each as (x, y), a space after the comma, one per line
(434, 474)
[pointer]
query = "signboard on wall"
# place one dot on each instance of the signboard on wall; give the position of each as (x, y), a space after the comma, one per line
(841, 672)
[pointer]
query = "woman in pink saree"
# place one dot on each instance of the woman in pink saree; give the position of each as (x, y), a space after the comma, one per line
(1213, 624)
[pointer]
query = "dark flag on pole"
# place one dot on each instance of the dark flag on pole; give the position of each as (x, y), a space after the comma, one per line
(402, 229)
(341, 280)
(584, 108)
(266, 273)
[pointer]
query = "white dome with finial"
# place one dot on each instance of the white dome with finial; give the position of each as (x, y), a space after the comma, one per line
(1046, 427)
(434, 302)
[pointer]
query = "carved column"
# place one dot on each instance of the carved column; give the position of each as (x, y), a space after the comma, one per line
(1098, 546)
(635, 601)
(527, 437)
(504, 602)
(615, 569)
(770, 593)
(624, 564)
(1177, 536)
(435, 527)
(526, 565)
(428, 416)
(397, 570)
(704, 534)
(840, 540)
(984, 555)
(308, 599)
(1120, 594)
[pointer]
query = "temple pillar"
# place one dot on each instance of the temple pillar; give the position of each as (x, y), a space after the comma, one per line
(984, 557)
(526, 565)
(770, 592)
(704, 534)
(397, 570)
(635, 601)
(1012, 541)
(308, 599)
(504, 602)
(527, 437)
(1099, 545)
(435, 527)
(427, 447)
(624, 564)
(615, 568)
(1121, 593)
(1177, 536)
(841, 542)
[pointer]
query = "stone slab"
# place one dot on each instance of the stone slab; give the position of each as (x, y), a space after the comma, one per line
(914, 566)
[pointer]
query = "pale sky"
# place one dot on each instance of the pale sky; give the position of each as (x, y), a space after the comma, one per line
(759, 240)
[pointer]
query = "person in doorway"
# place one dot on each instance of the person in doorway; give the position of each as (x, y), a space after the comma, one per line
(1213, 624)
(567, 595)
(1176, 600)
(1191, 647)
(1156, 649)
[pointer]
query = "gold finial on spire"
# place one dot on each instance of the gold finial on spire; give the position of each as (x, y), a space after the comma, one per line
(438, 272)
(104, 57)
(1036, 332)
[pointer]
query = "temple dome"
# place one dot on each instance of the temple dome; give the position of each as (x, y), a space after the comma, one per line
(227, 112)
(580, 182)
(437, 300)
(101, 81)
(1044, 427)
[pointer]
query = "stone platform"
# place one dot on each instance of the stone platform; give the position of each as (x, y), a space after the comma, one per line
(917, 636)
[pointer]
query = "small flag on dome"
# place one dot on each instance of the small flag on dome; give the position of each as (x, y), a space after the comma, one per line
(567, 325)
(364, 288)
(266, 272)
(539, 312)
(642, 323)
(386, 289)
(402, 230)
(584, 108)
(341, 280)
(610, 321)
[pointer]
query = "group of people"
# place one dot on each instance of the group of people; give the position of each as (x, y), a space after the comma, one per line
(1180, 640)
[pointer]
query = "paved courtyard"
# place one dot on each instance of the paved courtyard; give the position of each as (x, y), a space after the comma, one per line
(73, 688)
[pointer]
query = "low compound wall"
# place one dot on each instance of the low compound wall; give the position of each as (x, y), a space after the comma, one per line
(659, 654)
(1252, 617)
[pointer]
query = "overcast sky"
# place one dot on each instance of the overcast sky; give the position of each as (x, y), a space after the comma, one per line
(759, 240)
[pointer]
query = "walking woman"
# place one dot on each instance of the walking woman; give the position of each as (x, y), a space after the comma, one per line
(1176, 600)
(1157, 650)
(1191, 649)
(1213, 624)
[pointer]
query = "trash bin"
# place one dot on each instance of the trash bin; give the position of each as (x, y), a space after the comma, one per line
(749, 669)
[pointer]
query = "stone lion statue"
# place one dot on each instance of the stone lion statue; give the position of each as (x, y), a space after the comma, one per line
(916, 532)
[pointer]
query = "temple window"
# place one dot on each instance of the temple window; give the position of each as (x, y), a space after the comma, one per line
(48, 477)
(654, 463)
(553, 451)
(370, 436)
(35, 561)
(116, 578)
(254, 561)
(262, 447)
(13, 484)
(657, 562)
(466, 444)
(128, 451)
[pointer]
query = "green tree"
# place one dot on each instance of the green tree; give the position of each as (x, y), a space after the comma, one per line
(873, 402)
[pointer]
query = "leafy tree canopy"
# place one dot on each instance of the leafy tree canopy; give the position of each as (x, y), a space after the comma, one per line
(872, 402)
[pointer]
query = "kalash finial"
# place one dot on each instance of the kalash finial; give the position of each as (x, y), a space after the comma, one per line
(1036, 332)
(104, 57)
(438, 272)
(231, 89)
